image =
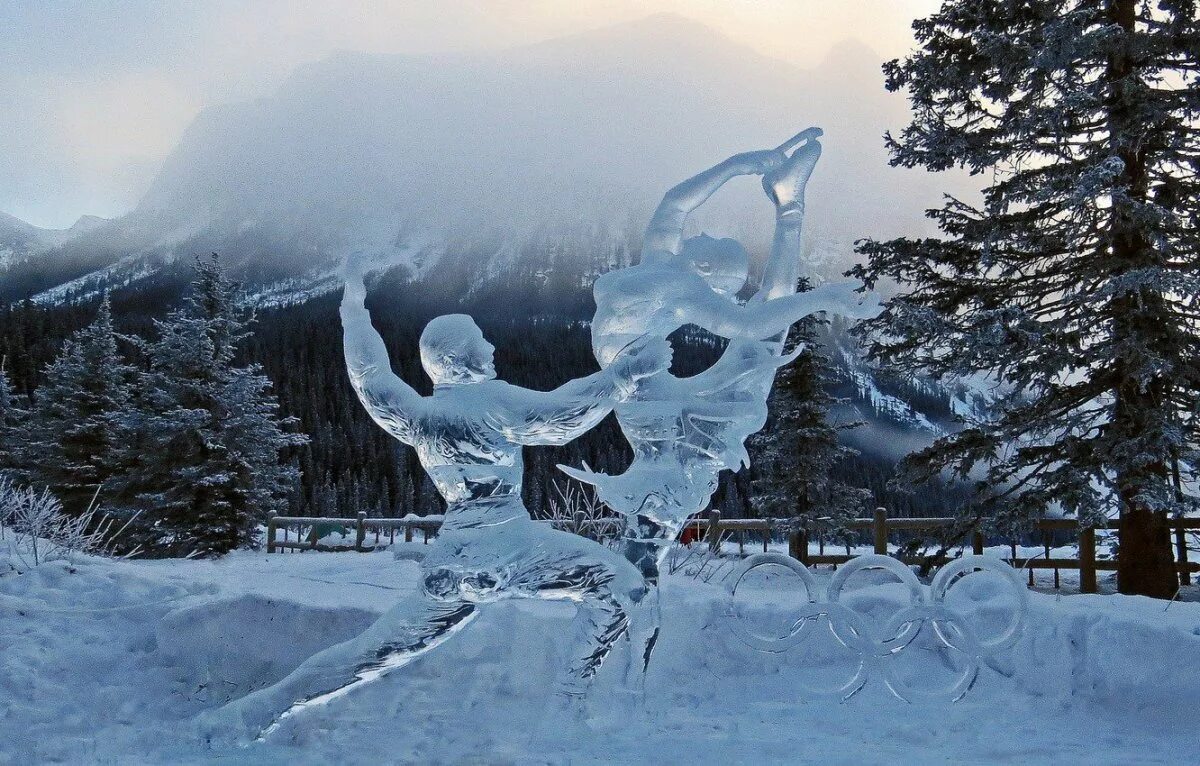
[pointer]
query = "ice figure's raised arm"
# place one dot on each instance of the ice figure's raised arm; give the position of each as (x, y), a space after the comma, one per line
(556, 417)
(389, 401)
(665, 232)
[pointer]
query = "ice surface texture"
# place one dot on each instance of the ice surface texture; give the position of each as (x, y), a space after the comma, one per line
(685, 431)
(874, 650)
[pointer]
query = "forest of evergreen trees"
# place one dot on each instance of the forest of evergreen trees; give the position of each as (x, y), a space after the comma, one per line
(347, 463)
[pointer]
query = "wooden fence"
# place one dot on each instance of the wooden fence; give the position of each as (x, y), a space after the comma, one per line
(362, 526)
(369, 533)
(716, 531)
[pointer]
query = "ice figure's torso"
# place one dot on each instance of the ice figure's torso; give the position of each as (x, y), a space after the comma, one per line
(637, 302)
(683, 431)
(474, 467)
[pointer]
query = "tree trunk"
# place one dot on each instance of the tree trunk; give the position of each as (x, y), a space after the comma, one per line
(1146, 564)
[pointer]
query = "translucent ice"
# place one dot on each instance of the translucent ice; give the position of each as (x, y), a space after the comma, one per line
(468, 436)
(685, 431)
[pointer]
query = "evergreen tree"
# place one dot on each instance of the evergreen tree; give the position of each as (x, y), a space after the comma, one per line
(72, 442)
(1074, 283)
(10, 420)
(795, 454)
(208, 432)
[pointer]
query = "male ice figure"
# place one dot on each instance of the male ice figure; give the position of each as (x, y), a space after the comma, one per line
(468, 435)
(685, 431)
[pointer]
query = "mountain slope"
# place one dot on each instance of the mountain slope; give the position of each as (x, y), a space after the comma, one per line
(405, 156)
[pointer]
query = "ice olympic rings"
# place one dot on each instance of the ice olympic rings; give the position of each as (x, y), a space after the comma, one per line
(876, 649)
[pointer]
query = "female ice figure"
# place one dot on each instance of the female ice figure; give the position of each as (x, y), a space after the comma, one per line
(685, 431)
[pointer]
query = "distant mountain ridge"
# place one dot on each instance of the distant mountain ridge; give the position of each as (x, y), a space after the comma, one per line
(20, 241)
(421, 158)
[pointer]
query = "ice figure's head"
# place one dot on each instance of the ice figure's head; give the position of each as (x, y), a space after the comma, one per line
(453, 350)
(723, 263)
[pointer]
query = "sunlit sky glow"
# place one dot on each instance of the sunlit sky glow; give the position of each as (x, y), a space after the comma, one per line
(95, 94)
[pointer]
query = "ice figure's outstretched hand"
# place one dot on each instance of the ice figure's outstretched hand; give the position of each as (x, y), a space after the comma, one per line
(758, 162)
(785, 184)
(856, 305)
(808, 134)
(843, 299)
(354, 269)
(641, 360)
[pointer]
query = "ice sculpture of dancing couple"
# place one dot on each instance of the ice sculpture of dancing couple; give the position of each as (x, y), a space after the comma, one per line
(468, 436)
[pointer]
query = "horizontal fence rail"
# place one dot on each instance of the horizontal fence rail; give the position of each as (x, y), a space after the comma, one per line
(384, 530)
(715, 530)
(428, 525)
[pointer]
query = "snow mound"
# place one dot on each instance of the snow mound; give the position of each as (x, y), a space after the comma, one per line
(236, 645)
(110, 662)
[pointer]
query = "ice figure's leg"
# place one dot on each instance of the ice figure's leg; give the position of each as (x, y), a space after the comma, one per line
(642, 545)
(623, 606)
(644, 626)
(785, 185)
(597, 626)
(411, 628)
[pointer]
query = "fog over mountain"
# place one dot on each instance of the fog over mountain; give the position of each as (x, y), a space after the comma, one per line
(412, 157)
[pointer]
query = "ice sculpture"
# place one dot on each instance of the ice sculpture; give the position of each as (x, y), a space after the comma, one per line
(685, 431)
(468, 436)
(469, 433)
(875, 649)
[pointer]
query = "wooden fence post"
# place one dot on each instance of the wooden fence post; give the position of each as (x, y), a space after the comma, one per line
(1087, 560)
(714, 530)
(408, 533)
(881, 532)
(361, 536)
(1185, 577)
(767, 537)
(795, 540)
(271, 531)
(977, 543)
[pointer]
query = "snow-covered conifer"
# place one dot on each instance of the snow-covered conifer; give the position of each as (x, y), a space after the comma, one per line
(208, 432)
(10, 418)
(73, 437)
(1074, 283)
(793, 455)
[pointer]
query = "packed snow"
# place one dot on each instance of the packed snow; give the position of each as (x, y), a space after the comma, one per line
(107, 661)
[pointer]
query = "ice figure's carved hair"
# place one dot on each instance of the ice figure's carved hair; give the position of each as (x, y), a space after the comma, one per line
(453, 350)
(724, 263)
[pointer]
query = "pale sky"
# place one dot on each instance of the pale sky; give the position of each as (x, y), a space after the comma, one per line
(93, 95)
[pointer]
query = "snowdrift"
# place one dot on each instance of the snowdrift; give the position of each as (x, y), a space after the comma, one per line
(108, 662)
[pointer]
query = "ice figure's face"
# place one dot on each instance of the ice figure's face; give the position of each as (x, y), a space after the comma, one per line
(722, 263)
(454, 351)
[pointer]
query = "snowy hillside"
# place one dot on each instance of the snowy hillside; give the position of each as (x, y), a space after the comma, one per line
(109, 662)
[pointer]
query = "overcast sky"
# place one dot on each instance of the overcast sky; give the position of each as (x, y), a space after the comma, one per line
(93, 95)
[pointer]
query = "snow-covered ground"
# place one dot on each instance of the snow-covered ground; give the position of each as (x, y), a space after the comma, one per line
(109, 661)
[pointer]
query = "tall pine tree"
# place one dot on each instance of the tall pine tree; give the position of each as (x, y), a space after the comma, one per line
(794, 456)
(1074, 283)
(72, 441)
(208, 432)
(10, 420)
